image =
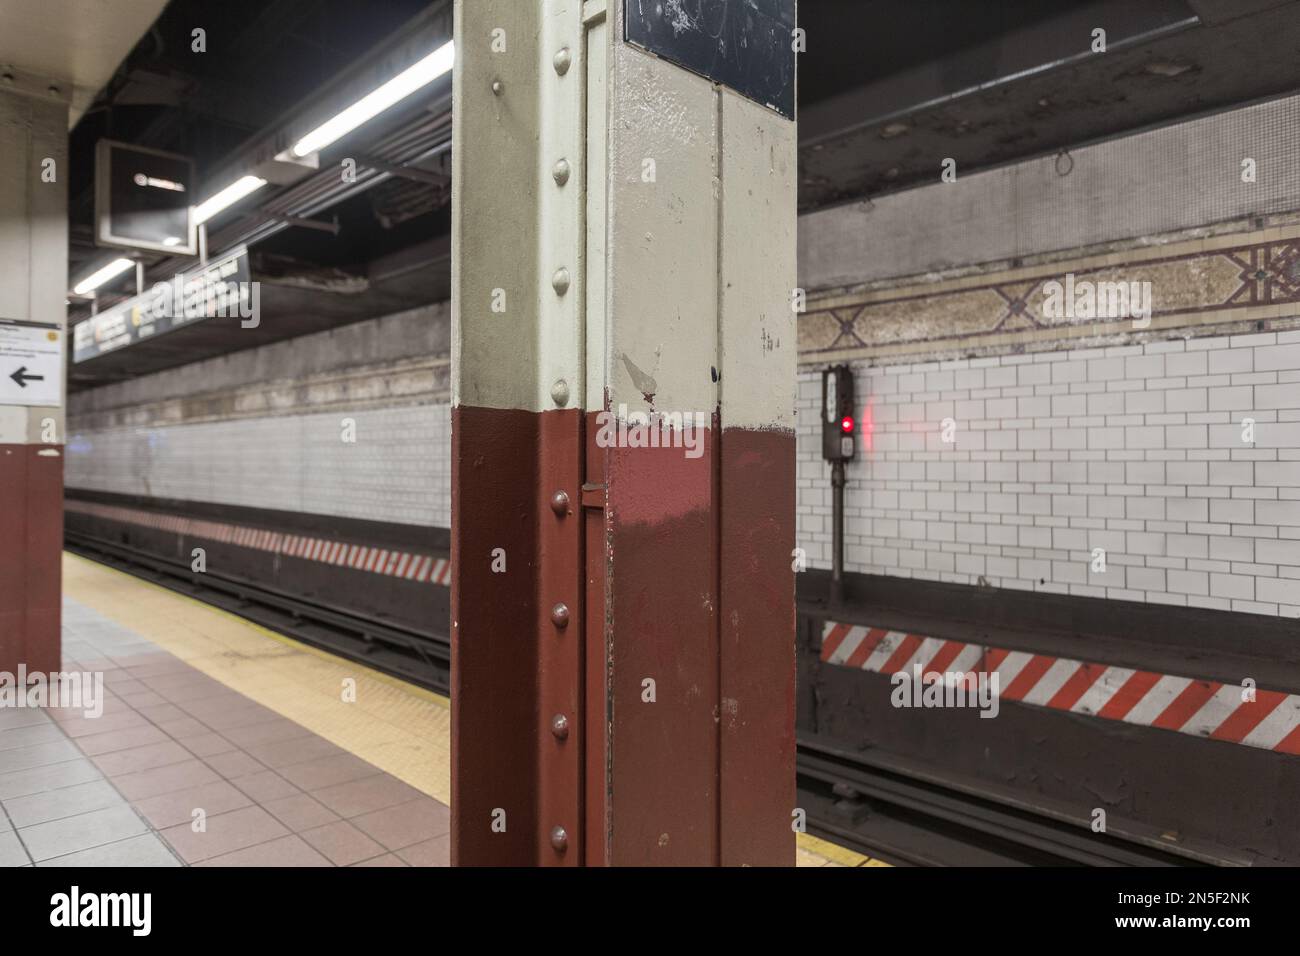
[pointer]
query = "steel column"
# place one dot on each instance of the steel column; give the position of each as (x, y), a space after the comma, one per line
(623, 688)
(31, 528)
(517, 445)
(33, 287)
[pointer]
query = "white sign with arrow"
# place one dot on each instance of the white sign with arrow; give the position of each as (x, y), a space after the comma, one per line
(31, 363)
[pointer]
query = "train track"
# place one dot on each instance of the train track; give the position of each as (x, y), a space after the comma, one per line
(905, 818)
(416, 656)
(850, 798)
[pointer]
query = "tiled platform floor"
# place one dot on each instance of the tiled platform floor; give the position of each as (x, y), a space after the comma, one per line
(208, 711)
(173, 745)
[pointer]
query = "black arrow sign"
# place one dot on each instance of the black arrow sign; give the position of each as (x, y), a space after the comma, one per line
(22, 378)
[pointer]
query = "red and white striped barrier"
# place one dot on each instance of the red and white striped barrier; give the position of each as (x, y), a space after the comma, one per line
(401, 564)
(1198, 707)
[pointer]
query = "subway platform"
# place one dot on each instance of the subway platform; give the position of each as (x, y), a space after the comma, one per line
(220, 743)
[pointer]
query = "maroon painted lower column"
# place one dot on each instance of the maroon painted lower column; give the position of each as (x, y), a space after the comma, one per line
(696, 645)
(516, 611)
(31, 550)
(755, 648)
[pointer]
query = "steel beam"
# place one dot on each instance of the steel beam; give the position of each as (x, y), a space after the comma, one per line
(413, 173)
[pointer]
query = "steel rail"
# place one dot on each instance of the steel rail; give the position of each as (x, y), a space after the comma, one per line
(903, 818)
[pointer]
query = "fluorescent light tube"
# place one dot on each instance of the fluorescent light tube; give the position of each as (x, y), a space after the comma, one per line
(96, 279)
(227, 197)
(399, 87)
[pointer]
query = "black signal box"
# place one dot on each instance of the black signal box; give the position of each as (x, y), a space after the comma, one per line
(839, 424)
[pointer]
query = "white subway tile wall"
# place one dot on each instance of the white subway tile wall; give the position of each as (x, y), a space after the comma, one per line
(398, 469)
(1140, 451)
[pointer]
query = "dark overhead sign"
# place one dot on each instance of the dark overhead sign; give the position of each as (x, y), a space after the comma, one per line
(748, 46)
(144, 199)
(220, 289)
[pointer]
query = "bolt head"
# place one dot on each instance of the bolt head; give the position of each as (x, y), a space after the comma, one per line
(560, 503)
(560, 392)
(560, 615)
(560, 281)
(561, 172)
(563, 59)
(559, 838)
(560, 726)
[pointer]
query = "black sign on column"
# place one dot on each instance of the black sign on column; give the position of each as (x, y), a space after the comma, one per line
(748, 47)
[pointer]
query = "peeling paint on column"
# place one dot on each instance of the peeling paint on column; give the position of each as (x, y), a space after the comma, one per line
(644, 383)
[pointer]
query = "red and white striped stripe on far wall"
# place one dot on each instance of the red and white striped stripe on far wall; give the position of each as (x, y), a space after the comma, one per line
(423, 568)
(1202, 708)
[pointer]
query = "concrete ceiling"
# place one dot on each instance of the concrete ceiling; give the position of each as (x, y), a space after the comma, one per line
(1031, 86)
(77, 42)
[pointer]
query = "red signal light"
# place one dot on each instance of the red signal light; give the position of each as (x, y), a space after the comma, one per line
(846, 424)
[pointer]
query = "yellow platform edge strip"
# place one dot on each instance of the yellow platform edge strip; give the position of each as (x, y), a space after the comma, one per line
(834, 854)
(401, 729)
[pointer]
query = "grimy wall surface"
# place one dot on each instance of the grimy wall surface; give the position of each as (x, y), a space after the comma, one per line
(1184, 176)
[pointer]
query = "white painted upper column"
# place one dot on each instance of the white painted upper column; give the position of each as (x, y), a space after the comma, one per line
(33, 258)
(701, 190)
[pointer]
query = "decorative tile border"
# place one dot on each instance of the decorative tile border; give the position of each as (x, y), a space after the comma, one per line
(1197, 285)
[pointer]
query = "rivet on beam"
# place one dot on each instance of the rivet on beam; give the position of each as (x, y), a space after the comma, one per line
(560, 281)
(560, 615)
(560, 393)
